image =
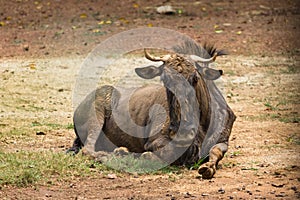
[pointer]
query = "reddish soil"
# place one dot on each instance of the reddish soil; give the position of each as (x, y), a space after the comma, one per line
(263, 67)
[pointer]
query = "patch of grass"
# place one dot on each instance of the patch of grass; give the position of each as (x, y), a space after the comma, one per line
(270, 106)
(290, 119)
(199, 163)
(131, 164)
(53, 125)
(235, 153)
(285, 117)
(250, 168)
(229, 164)
(273, 146)
(28, 168)
(14, 134)
(230, 72)
(290, 70)
(294, 138)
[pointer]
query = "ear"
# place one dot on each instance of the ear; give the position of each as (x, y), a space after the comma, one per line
(149, 72)
(210, 74)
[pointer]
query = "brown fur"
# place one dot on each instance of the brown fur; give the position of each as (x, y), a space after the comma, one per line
(98, 129)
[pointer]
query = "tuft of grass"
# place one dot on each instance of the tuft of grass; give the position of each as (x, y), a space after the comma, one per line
(290, 119)
(28, 168)
(199, 163)
(294, 138)
(230, 164)
(250, 168)
(53, 125)
(290, 70)
(131, 164)
(270, 106)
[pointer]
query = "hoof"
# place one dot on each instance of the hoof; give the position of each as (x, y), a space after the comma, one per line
(121, 151)
(207, 170)
(73, 151)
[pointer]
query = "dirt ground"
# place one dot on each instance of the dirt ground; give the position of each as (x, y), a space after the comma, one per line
(43, 44)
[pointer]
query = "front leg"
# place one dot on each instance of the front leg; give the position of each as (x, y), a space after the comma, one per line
(216, 153)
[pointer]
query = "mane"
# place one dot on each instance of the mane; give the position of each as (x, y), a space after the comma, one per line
(191, 48)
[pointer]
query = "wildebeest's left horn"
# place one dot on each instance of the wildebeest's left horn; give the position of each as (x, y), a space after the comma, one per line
(204, 60)
(155, 59)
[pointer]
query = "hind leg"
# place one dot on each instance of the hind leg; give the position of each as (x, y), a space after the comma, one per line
(216, 153)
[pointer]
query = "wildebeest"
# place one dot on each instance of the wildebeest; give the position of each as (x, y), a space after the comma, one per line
(195, 117)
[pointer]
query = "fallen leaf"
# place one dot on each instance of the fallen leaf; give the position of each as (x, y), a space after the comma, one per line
(218, 31)
(239, 32)
(179, 11)
(226, 24)
(83, 16)
(96, 30)
(124, 20)
(31, 66)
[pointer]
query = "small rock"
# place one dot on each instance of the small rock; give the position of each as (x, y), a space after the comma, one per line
(48, 195)
(277, 185)
(204, 194)
(72, 185)
(40, 133)
(294, 188)
(26, 47)
(167, 10)
(188, 195)
(221, 191)
(226, 24)
(112, 176)
(281, 195)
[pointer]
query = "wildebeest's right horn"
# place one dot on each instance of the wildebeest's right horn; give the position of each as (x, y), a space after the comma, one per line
(155, 59)
(204, 60)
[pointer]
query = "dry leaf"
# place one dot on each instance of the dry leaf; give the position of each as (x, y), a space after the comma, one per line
(83, 16)
(218, 31)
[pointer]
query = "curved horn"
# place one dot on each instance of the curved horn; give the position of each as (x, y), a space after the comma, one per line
(154, 58)
(204, 60)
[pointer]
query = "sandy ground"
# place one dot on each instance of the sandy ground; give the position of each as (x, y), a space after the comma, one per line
(43, 45)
